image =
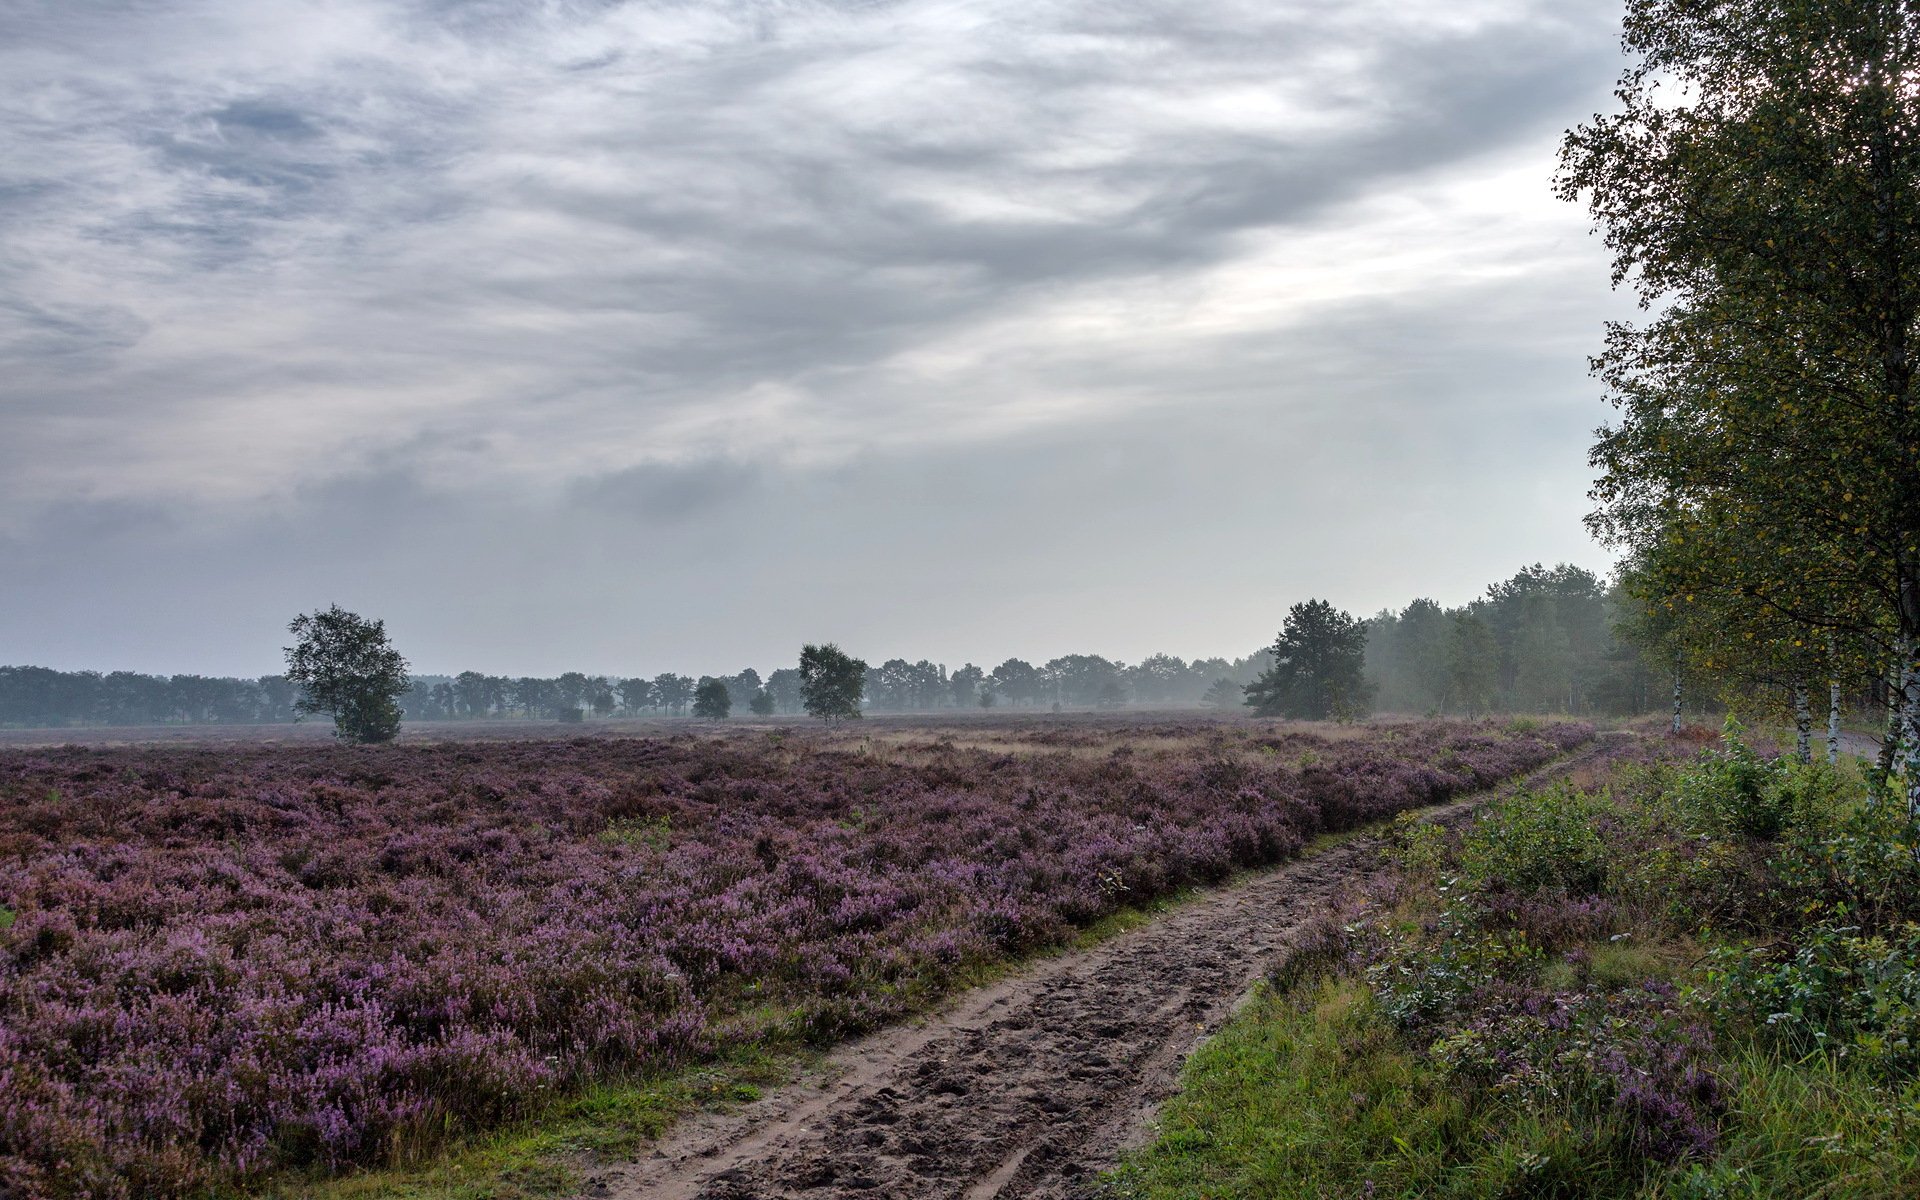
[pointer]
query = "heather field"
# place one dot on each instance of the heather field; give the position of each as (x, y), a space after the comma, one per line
(216, 964)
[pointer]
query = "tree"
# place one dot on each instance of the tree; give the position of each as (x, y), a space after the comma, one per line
(1318, 672)
(762, 703)
(712, 700)
(344, 666)
(1224, 693)
(534, 696)
(831, 682)
(965, 685)
(1757, 189)
(784, 686)
(1473, 665)
(672, 692)
(470, 693)
(572, 689)
(635, 694)
(742, 688)
(1017, 680)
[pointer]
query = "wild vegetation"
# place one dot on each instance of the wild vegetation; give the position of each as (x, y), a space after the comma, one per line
(1757, 189)
(1696, 979)
(223, 964)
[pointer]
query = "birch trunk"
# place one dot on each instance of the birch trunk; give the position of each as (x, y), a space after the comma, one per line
(1802, 724)
(1896, 707)
(1833, 703)
(1833, 720)
(1676, 703)
(1910, 720)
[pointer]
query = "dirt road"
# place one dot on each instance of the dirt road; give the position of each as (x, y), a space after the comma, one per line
(1023, 1089)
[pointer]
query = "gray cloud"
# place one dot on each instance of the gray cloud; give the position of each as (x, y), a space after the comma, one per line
(744, 288)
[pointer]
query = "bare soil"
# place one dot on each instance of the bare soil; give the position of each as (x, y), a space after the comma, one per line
(1025, 1088)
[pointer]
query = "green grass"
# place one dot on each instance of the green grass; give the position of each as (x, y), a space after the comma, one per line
(1311, 1091)
(1808, 1129)
(1311, 1095)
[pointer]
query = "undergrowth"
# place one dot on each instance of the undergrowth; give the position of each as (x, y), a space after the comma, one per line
(1700, 979)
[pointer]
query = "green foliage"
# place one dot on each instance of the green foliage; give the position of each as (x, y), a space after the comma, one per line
(344, 665)
(831, 682)
(762, 703)
(1755, 185)
(1417, 848)
(1734, 791)
(652, 833)
(1319, 664)
(1313, 1094)
(1523, 1010)
(1837, 991)
(1473, 665)
(7, 918)
(712, 700)
(1224, 693)
(1540, 840)
(1421, 976)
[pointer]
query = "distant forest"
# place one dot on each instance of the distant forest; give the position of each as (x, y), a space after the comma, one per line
(1548, 640)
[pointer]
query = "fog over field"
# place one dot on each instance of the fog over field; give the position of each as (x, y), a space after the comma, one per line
(644, 333)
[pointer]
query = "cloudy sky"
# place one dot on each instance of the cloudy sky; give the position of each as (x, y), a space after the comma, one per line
(665, 334)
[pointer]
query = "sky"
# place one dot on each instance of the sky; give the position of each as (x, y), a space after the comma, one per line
(670, 334)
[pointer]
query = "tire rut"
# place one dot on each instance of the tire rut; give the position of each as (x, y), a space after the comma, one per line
(1028, 1087)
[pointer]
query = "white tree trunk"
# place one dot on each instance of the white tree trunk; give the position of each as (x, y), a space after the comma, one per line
(1676, 703)
(1802, 723)
(1833, 703)
(1833, 720)
(1896, 707)
(1910, 720)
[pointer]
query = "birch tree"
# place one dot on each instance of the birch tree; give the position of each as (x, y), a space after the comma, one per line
(1758, 191)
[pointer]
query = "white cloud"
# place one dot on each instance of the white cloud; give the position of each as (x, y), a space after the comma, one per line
(250, 253)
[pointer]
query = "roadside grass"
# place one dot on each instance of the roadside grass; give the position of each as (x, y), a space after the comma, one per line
(1482, 1027)
(1310, 1094)
(1307, 1094)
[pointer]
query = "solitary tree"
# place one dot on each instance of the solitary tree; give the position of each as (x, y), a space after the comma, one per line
(712, 700)
(1318, 664)
(344, 666)
(831, 682)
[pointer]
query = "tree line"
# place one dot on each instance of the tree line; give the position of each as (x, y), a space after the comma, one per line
(1547, 640)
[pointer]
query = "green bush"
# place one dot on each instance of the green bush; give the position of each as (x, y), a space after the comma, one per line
(1541, 840)
(1837, 991)
(1426, 975)
(1732, 791)
(1857, 864)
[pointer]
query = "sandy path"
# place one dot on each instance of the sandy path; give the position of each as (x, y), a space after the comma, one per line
(1022, 1089)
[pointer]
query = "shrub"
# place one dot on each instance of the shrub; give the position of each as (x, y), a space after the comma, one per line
(1536, 841)
(1837, 991)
